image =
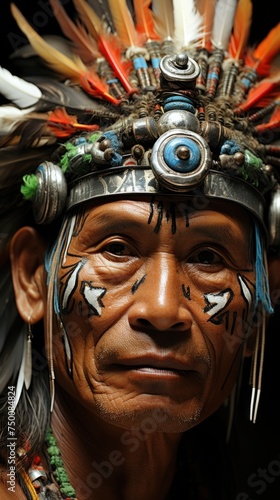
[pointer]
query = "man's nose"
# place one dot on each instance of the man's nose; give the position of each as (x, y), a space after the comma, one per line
(160, 302)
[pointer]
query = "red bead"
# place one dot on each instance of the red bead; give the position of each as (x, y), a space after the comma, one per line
(37, 460)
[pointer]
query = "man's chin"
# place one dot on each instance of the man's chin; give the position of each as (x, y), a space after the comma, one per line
(156, 419)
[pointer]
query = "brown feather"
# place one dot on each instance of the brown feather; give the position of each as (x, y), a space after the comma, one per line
(85, 45)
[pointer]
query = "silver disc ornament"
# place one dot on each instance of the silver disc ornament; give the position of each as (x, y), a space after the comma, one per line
(51, 193)
(180, 159)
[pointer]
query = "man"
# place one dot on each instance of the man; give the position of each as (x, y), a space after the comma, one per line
(145, 289)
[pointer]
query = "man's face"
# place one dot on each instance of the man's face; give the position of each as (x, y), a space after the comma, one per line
(153, 299)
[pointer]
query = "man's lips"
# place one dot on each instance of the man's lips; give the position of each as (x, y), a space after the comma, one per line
(164, 364)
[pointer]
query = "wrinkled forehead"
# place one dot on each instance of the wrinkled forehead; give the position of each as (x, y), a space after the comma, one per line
(146, 209)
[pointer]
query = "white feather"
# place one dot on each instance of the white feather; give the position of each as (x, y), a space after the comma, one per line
(22, 93)
(21, 375)
(223, 23)
(188, 23)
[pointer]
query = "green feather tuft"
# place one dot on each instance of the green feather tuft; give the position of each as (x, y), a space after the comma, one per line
(71, 151)
(29, 186)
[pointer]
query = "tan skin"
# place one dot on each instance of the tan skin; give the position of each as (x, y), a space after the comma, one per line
(144, 302)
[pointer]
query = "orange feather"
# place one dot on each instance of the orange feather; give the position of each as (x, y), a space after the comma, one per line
(260, 91)
(63, 125)
(74, 69)
(107, 44)
(88, 17)
(124, 24)
(241, 29)
(145, 23)
(61, 64)
(207, 10)
(86, 47)
(267, 50)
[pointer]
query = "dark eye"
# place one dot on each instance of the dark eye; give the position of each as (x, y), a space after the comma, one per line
(116, 249)
(206, 257)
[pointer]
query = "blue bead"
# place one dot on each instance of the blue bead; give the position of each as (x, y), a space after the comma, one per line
(155, 62)
(178, 105)
(172, 159)
(139, 63)
(80, 140)
(178, 102)
(230, 147)
(178, 98)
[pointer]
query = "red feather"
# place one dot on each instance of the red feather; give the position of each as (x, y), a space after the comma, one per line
(264, 53)
(274, 122)
(108, 44)
(108, 47)
(63, 125)
(92, 84)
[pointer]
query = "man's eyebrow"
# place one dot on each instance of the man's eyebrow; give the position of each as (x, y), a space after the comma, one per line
(114, 223)
(223, 233)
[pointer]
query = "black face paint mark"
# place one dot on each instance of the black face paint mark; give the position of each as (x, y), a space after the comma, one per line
(160, 216)
(152, 208)
(184, 211)
(93, 298)
(136, 285)
(171, 213)
(68, 287)
(216, 303)
(186, 292)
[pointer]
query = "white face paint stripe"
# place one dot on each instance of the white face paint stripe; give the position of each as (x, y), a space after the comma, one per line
(71, 284)
(216, 302)
(245, 290)
(93, 296)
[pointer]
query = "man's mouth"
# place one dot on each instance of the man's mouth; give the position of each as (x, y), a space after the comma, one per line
(163, 366)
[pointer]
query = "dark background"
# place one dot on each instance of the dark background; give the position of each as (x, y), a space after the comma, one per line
(265, 16)
(258, 444)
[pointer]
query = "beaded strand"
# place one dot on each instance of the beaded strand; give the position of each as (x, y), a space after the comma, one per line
(58, 469)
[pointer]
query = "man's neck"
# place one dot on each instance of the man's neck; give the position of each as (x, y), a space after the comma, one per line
(111, 463)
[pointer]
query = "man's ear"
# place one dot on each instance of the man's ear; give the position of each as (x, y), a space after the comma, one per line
(27, 251)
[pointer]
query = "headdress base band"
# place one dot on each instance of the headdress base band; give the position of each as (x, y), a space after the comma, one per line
(135, 181)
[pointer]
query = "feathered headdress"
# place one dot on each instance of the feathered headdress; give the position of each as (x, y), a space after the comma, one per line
(162, 96)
